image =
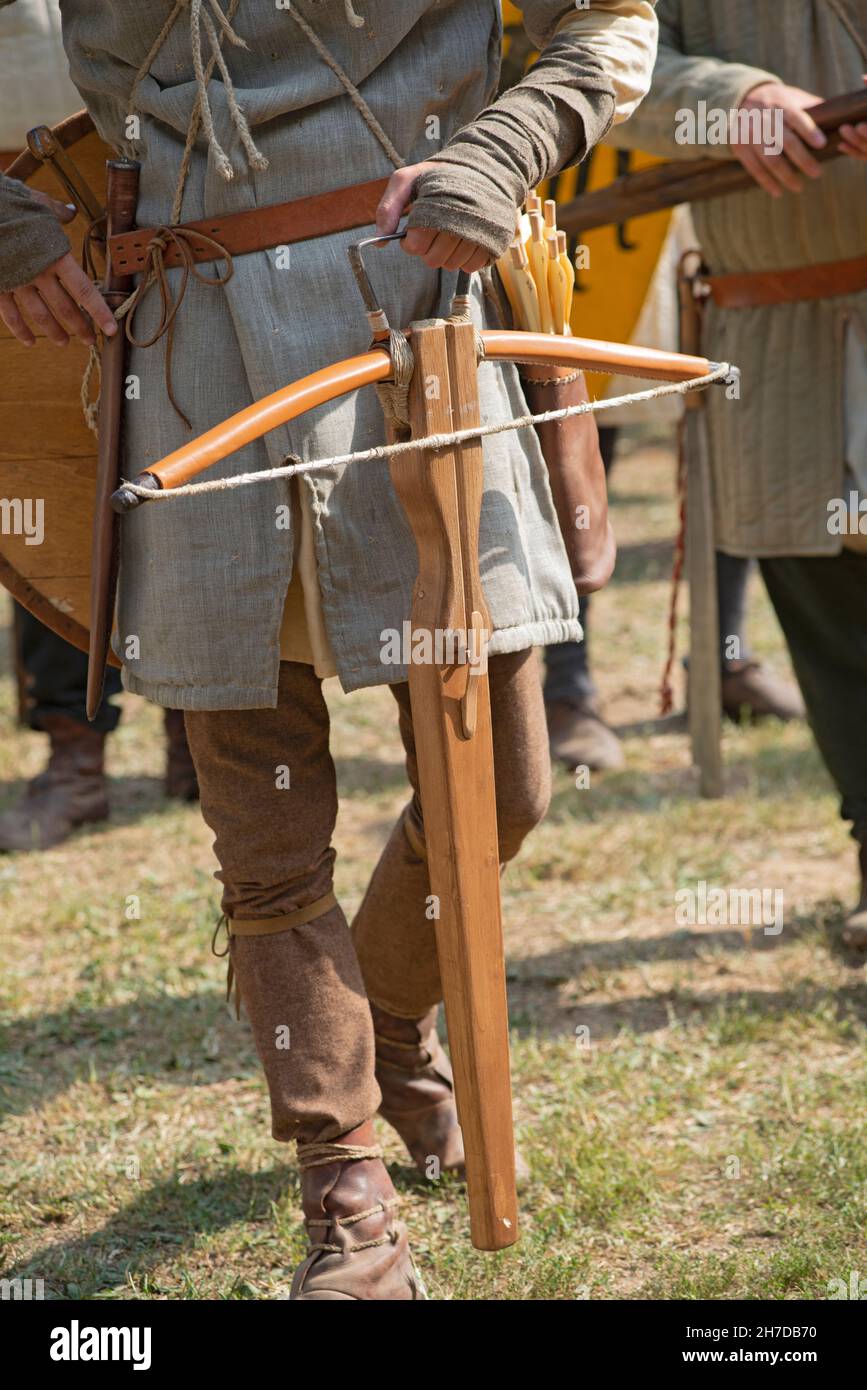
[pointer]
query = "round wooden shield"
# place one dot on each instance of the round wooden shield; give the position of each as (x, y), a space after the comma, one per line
(47, 452)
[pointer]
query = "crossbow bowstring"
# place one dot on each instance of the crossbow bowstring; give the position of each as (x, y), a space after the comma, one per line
(722, 372)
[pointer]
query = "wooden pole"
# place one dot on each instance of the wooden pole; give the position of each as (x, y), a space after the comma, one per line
(441, 493)
(705, 691)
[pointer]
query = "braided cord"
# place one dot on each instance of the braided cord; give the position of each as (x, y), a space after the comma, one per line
(722, 372)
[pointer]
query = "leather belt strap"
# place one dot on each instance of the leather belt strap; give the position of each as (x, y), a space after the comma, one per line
(257, 229)
(264, 926)
(798, 285)
(267, 926)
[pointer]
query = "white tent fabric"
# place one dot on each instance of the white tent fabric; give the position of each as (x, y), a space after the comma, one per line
(35, 87)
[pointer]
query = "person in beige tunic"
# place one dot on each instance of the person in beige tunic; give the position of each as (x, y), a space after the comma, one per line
(237, 623)
(790, 465)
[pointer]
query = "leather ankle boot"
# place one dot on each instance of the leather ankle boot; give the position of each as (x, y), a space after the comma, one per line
(855, 926)
(418, 1099)
(357, 1250)
(70, 792)
(579, 737)
(181, 779)
(418, 1094)
(751, 692)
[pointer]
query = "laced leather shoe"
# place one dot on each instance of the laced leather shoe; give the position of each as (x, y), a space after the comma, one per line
(418, 1099)
(357, 1249)
(418, 1096)
(579, 736)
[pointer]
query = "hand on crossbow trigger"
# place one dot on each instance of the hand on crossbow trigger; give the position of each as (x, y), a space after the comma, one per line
(439, 250)
(61, 302)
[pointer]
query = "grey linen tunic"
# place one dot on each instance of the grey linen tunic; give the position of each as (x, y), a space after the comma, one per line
(203, 580)
(779, 454)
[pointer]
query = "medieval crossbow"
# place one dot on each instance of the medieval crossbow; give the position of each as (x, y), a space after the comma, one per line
(437, 473)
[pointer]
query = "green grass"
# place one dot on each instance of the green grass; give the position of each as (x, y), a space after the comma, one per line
(690, 1100)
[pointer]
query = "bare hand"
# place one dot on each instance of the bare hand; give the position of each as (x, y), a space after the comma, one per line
(61, 301)
(439, 250)
(854, 139)
(781, 173)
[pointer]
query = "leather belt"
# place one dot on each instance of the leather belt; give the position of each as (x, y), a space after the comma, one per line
(798, 285)
(257, 229)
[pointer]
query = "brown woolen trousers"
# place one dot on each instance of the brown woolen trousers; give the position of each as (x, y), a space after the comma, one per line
(269, 793)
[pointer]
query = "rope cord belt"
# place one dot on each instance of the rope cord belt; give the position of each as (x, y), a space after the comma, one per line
(722, 372)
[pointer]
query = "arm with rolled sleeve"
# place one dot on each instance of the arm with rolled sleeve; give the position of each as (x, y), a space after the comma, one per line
(593, 62)
(679, 82)
(31, 238)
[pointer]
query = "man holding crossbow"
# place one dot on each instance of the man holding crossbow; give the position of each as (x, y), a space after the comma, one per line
(238, 110)
(786, 298)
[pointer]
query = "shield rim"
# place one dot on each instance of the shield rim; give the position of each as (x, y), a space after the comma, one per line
(68, 132)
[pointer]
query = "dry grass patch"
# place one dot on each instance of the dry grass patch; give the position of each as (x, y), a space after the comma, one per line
(691, 1099)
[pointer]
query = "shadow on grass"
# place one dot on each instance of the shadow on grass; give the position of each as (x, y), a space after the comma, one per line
(193, 1041)
(531, 982)
(774, 770)
(168, 1216)
(172, 1214)
(676, 723)
(685, 944)
(161, 1037)
(747, 1010)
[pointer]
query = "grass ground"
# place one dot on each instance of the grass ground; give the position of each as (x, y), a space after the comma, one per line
(691, 1099)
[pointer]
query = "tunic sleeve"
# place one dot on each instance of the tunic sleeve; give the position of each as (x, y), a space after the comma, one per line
(31, 238)
(624, 33)
(680, 81)
(552, 118)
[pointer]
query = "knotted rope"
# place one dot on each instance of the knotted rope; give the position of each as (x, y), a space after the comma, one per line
(199, 116)
(391, 1236)
(394, 395)
(356, 20)
(316, 1155)
(201, 113)
(722, 372)
(346, 81)
(199, 16)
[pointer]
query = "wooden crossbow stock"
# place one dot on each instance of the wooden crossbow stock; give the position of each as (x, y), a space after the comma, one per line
(441, 492)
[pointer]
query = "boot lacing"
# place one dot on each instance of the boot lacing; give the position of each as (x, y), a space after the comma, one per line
(317, 1155)
(391, 1237)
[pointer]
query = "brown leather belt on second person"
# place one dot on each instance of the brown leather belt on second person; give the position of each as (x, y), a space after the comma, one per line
(256, 229)
(830, 280)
